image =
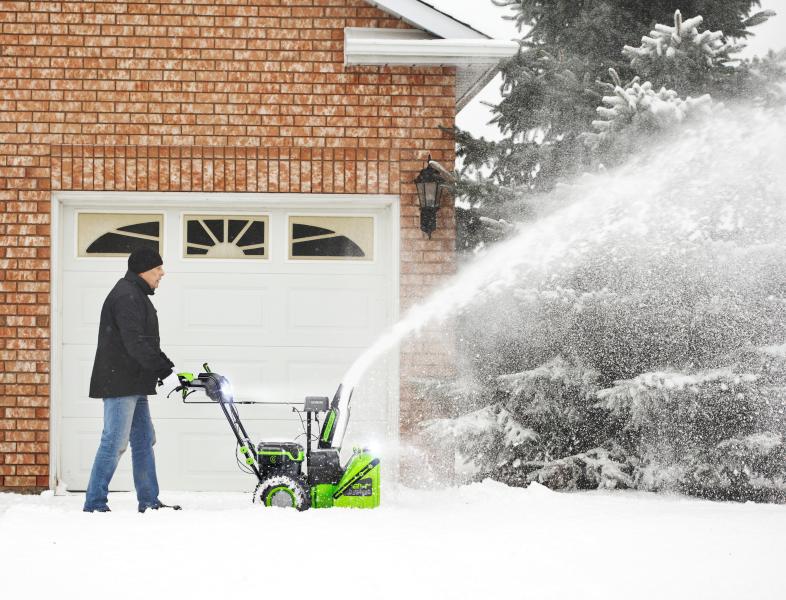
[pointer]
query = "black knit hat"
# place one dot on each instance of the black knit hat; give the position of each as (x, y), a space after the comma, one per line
(143, 259)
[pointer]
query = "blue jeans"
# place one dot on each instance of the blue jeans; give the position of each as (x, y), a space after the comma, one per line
(125, 418)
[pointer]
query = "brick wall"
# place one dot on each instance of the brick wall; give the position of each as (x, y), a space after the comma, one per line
(221, 95)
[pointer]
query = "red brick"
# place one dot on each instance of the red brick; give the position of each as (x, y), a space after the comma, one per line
(19, 413)
(19, 459)
(32, 470)
(20, 436)
(20, 482)
(32, 447)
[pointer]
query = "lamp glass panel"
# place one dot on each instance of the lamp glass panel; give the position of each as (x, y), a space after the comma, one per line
(430, 194)
(421, 188)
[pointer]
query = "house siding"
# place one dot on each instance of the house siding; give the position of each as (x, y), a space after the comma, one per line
(219, 96)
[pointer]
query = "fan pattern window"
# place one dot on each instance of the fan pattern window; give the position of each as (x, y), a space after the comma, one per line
(219, 236)
(331, 238)
(117, 234)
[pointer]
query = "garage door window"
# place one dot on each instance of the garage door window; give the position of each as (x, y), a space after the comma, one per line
(230, 236)
(331, 238)
(117, 234)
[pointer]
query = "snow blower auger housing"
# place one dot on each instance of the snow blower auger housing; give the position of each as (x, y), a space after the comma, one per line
(289, 475)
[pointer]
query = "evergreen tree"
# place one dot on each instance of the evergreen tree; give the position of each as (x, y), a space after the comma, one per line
(552, 88)
(650, 354)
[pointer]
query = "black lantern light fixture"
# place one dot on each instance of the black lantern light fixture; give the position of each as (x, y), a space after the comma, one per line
(429, 184)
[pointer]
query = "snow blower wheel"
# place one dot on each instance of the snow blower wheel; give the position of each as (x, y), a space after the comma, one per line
(285, 492)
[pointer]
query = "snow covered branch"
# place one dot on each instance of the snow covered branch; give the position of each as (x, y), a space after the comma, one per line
(682, 39)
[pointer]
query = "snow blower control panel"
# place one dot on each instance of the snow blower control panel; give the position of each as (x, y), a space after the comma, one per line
(316, 404)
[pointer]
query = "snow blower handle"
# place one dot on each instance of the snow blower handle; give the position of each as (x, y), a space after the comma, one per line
(188, 384)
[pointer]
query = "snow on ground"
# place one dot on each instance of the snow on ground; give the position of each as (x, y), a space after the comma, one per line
(478, 541)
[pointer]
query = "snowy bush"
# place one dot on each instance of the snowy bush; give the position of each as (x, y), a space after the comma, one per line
(716, 434)
(558, 398)
(483, 440)
(650, 352)
(604, 467)
(749, 468)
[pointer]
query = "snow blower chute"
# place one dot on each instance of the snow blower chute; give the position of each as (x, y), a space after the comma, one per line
(289, 475)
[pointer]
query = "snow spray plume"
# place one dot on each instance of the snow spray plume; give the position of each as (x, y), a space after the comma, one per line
(675, 194)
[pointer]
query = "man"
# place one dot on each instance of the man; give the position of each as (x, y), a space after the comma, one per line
(127, 365)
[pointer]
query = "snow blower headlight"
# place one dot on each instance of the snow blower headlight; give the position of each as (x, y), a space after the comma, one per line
(219, 389)
(226, 390)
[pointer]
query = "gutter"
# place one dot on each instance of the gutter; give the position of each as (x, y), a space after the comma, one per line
(451, 52)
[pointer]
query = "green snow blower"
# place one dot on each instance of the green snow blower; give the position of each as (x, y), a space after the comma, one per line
(289, 475)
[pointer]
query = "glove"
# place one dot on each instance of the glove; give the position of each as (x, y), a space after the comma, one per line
(162, 374)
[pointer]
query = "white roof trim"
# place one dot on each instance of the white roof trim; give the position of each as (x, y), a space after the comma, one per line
(402, 47)
(424, 16)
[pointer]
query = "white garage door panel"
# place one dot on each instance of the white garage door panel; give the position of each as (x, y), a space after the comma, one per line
(280, 330)
(77, 364)
(203, 459)
(82, 311)
(330, 308)
(214, 311)
(336, 312)
(239, 310)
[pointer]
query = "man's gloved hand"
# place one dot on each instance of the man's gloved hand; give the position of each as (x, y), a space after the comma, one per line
(163, 373)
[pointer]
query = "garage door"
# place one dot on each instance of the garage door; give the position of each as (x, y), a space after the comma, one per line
(281, 298)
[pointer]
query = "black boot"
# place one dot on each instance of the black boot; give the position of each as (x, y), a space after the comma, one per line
(158, 505)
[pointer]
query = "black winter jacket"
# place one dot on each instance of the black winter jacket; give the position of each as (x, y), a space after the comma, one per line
(128, 359)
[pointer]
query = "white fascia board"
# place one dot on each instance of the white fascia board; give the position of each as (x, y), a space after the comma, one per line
(424, 16)
(453, 52)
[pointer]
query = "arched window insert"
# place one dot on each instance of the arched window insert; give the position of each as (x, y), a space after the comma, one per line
(317, 237)
(117, 234)
(225, 236)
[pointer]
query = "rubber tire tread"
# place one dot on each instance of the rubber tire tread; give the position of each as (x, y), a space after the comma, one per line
(295, 484)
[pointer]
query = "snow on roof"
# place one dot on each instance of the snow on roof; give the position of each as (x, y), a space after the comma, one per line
(425, 16)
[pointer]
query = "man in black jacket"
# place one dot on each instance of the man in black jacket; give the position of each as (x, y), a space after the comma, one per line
(128, 363)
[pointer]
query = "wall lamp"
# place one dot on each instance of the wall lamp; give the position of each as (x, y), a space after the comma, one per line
(429, 184)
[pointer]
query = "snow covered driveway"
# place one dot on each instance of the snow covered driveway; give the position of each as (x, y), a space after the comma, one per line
(478, 541)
